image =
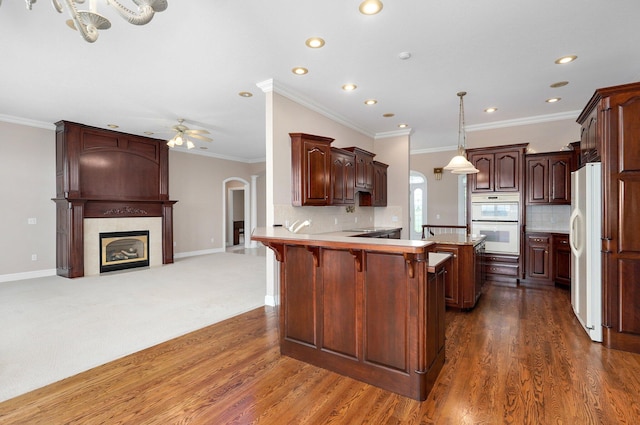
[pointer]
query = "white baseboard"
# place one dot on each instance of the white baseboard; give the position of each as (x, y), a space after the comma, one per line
(201, 252)
(27, 275)
(269, 300)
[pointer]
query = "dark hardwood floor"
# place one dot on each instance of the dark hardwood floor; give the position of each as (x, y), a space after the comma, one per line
(518, 358)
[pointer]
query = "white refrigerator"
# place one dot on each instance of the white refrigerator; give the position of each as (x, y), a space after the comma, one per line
(585, 240)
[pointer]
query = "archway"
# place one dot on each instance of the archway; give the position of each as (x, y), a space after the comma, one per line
(228, 210)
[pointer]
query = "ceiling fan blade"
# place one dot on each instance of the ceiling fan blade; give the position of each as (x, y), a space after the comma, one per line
(189, 131)
(200, 137)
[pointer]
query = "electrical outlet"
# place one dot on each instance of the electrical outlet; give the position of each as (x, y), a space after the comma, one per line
(212, 240)
(34, 257)
(32, 220)
(356, 218)
(335, 220)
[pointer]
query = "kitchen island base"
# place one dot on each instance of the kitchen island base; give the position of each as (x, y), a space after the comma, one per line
(372, 310)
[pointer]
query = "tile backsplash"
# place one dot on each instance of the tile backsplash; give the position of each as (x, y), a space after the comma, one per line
(548, 217)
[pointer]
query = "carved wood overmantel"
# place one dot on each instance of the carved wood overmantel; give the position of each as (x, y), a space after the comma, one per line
(107, 174)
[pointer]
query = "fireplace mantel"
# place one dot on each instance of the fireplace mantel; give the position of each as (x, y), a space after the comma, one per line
(107, 174)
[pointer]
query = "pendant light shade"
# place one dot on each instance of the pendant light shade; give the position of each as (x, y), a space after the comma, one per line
(459, 163)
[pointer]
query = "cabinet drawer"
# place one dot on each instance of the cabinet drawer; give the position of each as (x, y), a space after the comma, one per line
(503, 269)
(495, 258)
(538, 239)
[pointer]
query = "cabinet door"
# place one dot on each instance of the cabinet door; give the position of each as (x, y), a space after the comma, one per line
(452, 290)
(561, 260)
(310, 169)
(537, 180)
(379, 184)
(342, 178)
(507, 170)
(483, 181)
(538, 257)
(560, 167)
(589, 139)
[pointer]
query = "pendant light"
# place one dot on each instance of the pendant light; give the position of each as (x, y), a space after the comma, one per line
(459, 163)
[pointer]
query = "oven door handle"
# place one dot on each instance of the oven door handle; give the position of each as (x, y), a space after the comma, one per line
(494, 221)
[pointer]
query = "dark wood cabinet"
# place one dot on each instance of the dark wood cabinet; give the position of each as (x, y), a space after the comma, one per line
(364, 168)
(611, 129)
(590, 141)
(342, 173)
(310, 169)
(500, 168)
(378, 195)
(561, 260)
(465, 277)
(548, 178)
(538, 248)
(502, 268)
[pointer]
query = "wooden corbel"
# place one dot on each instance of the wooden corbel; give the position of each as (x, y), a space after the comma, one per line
(315, 251)
(358, 256)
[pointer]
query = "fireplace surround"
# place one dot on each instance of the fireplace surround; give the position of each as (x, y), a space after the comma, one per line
(107, 174)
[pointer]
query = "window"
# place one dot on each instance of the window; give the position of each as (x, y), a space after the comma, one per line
(418, 203)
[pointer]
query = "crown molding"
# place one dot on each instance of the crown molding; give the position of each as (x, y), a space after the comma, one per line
(524, 121)
(433, 150)
(395, 133)
(29, 123)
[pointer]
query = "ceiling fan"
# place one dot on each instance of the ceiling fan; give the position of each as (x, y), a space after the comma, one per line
(184, 133)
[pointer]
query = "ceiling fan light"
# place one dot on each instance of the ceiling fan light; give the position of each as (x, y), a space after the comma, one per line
(171, 143)
(190, 144)
(178, 140)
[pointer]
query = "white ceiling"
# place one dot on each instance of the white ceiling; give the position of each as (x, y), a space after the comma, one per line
(193, 59)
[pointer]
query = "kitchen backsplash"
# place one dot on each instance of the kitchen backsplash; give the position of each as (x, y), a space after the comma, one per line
(336, 218)
(548, 217)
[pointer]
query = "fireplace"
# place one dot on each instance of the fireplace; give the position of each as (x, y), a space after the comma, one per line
(124, 250)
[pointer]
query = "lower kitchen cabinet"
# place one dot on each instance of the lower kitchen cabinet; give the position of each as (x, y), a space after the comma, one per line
(561, 260)
(537, 255)
(502, 268)
(465, 276)
(548, 258)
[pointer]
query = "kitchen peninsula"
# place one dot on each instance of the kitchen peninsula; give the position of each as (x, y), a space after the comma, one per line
(368, 308)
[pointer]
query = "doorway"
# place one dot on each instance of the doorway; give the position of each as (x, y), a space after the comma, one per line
(417, 203)
(236, 223)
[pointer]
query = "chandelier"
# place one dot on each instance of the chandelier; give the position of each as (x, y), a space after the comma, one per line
(459, 163)
(88, 22)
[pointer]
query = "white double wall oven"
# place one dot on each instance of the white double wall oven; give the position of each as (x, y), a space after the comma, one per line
(498, 218)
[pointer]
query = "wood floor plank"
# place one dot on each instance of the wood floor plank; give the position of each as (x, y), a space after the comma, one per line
(520, 357)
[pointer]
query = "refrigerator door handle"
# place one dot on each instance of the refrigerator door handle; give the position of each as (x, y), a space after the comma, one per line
(574, 229)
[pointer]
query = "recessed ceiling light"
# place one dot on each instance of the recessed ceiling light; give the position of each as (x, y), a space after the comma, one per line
(370, 102)
(553, 100)
(389, 115)
(370, 7)
(566, 59)
(403, 125)
(490, 110)
(245, 94)
(113, 126)
(149, 133)
(559, 84)
(349, 87)
(299, 70)
(404, 55)
(314, 42)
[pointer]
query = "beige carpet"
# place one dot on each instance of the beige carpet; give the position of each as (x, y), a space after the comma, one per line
(52, 328)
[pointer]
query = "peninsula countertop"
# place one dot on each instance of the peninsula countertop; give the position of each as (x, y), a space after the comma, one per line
(339, 239)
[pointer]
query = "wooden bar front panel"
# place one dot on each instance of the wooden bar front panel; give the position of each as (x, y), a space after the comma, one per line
(371, 315)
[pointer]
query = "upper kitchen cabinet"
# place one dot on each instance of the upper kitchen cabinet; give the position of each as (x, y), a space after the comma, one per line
(617, 139)
(310, 169)
(500, 168)
(343, 171)
(590, 141)
(364, 168)
(378, 195)
(548, 178)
